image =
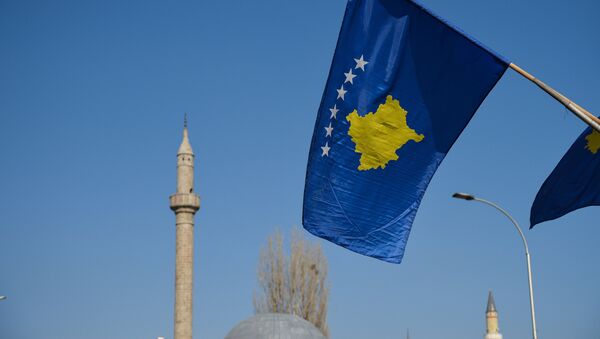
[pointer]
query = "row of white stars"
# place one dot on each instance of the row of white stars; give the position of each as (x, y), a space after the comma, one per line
(360, 64)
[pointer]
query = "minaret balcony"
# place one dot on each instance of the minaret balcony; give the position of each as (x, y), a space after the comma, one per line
(185, 201)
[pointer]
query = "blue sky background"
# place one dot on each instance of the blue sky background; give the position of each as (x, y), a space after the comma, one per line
(92, 96)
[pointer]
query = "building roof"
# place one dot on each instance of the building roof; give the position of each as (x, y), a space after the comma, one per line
(275, 326)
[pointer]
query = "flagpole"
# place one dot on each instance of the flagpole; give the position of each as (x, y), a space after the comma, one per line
(579, 111)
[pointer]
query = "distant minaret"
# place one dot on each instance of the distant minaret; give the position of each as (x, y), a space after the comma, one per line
(185, 204)
(491, 316)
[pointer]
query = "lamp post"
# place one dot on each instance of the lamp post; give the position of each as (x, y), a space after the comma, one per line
(470, 197)
(2, 297)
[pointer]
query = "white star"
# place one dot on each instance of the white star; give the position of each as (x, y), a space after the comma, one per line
(349, 76)
(334, 111)
(360, 63)
(329, 130)
(341, 92)
(325, 149)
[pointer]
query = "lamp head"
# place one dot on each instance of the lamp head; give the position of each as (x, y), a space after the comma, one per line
(464, 196)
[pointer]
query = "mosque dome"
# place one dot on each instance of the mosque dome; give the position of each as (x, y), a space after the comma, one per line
(275, 326)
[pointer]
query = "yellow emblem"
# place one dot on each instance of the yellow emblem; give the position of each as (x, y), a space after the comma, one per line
(593, 142)
(379, 135)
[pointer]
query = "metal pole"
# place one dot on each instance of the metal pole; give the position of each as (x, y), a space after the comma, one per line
(527, 256)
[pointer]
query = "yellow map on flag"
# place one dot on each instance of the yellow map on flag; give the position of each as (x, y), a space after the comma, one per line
(593, 142)
(379, 135)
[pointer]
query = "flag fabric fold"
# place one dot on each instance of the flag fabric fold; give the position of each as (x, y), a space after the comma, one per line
(573, 184)
(402, 86)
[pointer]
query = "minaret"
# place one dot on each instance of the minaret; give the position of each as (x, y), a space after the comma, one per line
(491, 316)
(185, 203)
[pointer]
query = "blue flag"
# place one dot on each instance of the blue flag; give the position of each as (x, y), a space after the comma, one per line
(402, 86)
(574, 183)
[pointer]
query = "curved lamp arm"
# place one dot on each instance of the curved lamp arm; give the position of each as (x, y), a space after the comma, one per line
(470, 197)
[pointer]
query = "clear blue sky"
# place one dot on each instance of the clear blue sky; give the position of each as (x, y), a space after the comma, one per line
(92, 96)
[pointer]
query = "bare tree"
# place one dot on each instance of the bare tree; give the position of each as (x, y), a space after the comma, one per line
(296, 284)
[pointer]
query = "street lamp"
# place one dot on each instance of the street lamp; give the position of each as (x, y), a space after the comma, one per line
(2, 297)
(470, 197)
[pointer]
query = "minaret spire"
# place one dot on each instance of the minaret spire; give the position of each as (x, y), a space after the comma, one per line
(491, 317)
(491, 304)
(185, 147)
(185, 204)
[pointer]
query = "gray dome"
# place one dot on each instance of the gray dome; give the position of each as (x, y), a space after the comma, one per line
(275, 326)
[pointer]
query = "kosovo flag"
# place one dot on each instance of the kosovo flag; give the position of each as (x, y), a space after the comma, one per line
(574, 183)
(402, 86)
